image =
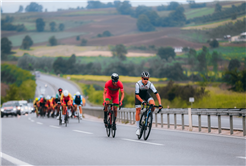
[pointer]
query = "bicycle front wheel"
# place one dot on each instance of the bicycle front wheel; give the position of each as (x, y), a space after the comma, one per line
(112, 129)
(148, 127)
(142, 125)
(108, 128)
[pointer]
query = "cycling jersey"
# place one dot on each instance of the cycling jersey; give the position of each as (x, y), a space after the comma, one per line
(78, 100)
(143, 91)
(48, 103)
(113, 90)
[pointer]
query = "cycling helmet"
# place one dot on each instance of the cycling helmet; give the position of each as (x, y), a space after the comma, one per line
(77, 94)
(60, 90)
(65, 93)
(115, 77)
(36, 99)
(48, 97)
(145, 74)
(41, 96)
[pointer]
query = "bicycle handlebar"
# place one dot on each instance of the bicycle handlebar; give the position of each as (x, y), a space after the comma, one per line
(152, 106)
(112, 104)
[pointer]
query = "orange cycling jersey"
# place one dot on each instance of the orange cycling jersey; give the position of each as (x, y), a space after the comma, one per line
(68, 98)
(48, 103)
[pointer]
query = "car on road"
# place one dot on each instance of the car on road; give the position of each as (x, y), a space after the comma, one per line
(10, 108)
(31, 108)
(24, 107)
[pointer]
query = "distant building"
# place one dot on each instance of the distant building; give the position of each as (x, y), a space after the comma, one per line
(178, 49)
(242, 35)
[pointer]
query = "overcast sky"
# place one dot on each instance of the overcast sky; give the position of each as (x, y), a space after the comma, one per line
(11, 6)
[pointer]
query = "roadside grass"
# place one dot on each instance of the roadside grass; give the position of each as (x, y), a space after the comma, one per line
(191, 13)
(39, 37)
(125, 79)
(211, 24)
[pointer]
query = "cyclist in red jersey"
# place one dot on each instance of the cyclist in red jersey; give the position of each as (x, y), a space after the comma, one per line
(111, 92)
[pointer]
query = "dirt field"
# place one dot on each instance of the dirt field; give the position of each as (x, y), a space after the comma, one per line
(68, 50)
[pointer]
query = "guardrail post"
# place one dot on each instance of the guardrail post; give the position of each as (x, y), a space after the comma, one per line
(182, 115)
(127, 120)
(231, 124)
(219, 124)
(175, 121)
(244, 127)
(124, 117)
(155, 119)
(199, 122)
(168, 121)
(161, 120)
(133, 117)
(130, 117)
(209, 124)
(190, 119)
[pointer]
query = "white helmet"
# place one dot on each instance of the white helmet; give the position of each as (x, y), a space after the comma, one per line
(77, 93)
(65, 93)
(48, 97)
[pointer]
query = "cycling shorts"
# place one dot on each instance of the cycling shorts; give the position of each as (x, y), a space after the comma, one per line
(147, 97)
(114, 98)
(66, 102)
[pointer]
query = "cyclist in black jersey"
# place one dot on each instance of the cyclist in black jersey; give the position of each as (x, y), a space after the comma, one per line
(142, 96)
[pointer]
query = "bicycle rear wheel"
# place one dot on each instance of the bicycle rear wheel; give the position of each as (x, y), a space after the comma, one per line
(141, 125)
(60, 120)
(66, 119)
(108, 128)
(147, 128)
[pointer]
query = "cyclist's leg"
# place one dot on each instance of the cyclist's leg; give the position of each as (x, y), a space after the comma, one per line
(151, 101)
(69, 105)
(64, 104)
(115, 101)
(138, 111)
(108, 99)
(80, 111)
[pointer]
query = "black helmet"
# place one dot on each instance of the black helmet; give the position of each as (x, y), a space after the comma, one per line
(145, 74)
(115, 77)
(60, 90)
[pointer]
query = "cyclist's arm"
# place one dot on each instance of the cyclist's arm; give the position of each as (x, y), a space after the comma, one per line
(81, 99)
(104, 94)
(137, 93)
(122, 95)
(139, 98)
(158, 98)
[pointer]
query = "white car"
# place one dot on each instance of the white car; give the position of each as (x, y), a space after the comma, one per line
(24, 107)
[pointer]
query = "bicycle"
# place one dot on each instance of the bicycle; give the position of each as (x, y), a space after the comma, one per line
(145, 123)
(110, 120)
(77, 109)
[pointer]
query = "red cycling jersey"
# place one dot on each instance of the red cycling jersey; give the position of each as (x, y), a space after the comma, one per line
(113, 90)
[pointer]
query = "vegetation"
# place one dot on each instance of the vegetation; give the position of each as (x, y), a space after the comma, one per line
(40, 24)
(26, 43)
(105, 34)
(21, 83)
(53, 41)
(34, 7)
(120, 52)
(6, 25)
(6, 45)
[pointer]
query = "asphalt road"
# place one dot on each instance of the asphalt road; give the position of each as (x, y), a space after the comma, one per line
(41, 141)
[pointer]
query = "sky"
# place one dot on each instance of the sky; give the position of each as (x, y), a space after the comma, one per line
(11, 6)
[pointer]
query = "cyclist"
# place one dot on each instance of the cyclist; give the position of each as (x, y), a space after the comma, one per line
(142, 96)
(41, 104)
(66, 100)
(58, 101)
(78, 101)
(53, 101)
(48, 105)
(111, 92)
(35, 102)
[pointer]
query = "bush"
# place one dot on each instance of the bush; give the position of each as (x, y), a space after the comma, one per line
(214, 43)
(53, 41)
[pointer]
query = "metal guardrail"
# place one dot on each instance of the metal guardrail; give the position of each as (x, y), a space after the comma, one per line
(127, 115)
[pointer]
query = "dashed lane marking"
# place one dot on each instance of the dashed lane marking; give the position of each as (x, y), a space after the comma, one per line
(39, 123)
(54, 127)
(82, 132)
(240, 157)
(14, 160)
(144, 142)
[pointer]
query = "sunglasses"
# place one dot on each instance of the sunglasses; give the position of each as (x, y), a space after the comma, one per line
(115, 81)
(146, 78)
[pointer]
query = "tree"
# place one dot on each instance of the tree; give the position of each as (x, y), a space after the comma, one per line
(106, 34)
(53, 41)
(144, 24)
(153, 17)
(125, 8)
(214, 43)
(40, 24)
(141, 10)
(26, 43)
(34, 7)
(165, 53)
(117, 3)
(6, 45)
(234, 16)
(120, 52)
(53, 26)
(202, 65)
(218, 7)
(20, 9)
(234, 63)
(173, 6)
(216, 57)
(237, 79)
(61, 26)
(83, 42)
(77, 37)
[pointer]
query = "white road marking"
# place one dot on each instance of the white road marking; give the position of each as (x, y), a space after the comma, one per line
(241, 157)
(54, 126)
(32, 121)
(29, 118)
(82, 132)
(13, 160)
(39, 123)
(144, 142)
